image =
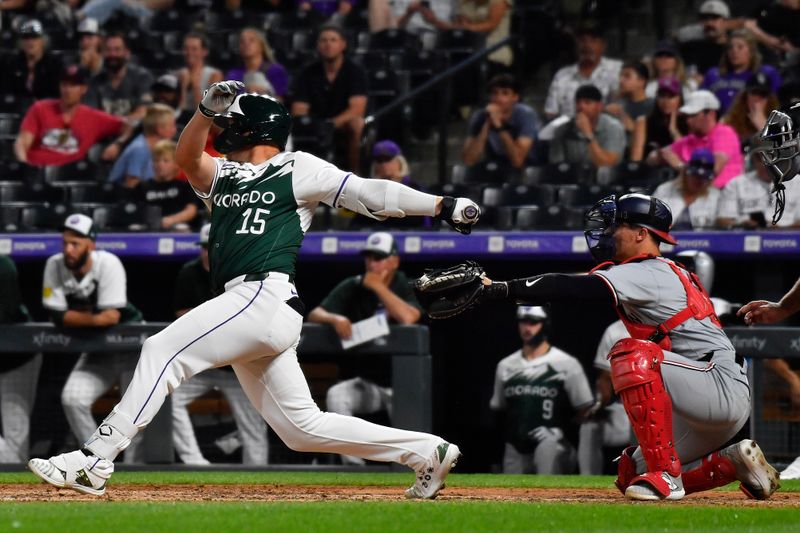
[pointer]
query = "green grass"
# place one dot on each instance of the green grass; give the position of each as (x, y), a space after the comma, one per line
(380, 516)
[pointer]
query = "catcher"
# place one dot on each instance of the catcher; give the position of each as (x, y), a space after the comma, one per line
(681, 383)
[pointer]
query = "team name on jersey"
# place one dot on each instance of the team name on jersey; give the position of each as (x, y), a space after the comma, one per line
(539, 391)
(240, 199)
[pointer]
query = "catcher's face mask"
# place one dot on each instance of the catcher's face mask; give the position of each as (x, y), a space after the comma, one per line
(779, 150)
(600, 227)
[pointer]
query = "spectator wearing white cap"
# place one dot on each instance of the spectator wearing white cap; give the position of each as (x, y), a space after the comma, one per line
(381, 289)
(541, 392)
(705, 131)
(33, 71)
(90, 43)
(87, 288)
(192, 288)
(702, 44)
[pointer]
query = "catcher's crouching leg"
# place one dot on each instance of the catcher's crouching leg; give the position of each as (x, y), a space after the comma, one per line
(636, 376)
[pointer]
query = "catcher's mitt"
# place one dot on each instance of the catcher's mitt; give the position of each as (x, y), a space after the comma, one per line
(449, 291)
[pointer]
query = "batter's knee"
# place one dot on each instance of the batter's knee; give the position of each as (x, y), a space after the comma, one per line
(297, 431)
(634, 363)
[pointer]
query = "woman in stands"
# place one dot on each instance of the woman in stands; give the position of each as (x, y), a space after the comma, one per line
(667, 63)
(257, 55)
(750, 109)
(196, 76)
(739, 63)
(664, 125)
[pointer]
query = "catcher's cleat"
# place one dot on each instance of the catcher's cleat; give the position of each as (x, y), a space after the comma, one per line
(626, 469)
(759, 479)
(430, 478)
(653, 486)
(74, 470)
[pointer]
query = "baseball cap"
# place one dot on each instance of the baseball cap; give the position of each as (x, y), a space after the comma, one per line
(89, 26)
(74, 74)
(701, 163)
(699, 101)
(80, 224)
(670, 84)
(165, 82)
(31, 28)
(204, 233)
(715, 7)
(666, 47)
(759, 83)
(534, 313)
(588, 92)
(380, 244)
(386, 149)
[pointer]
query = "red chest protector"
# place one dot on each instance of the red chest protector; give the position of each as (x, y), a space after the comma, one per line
(698, 305)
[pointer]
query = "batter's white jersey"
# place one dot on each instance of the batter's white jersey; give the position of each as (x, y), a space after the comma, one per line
(103, 287)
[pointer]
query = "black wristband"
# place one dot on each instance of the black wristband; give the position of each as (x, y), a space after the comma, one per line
(448, 206)
(497, 290)
(206, 111)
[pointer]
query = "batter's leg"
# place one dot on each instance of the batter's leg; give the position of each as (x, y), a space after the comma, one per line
(351, 397)
(183, 437)
(251, 426)
(17, 394)
(92, 376)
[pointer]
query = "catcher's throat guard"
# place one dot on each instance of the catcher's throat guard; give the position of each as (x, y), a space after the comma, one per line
(779, 150)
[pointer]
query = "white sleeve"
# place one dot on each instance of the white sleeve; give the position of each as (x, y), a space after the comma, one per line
(380, 199)
(498, 401)
(551, 104)
(112, 283)
(206, 196)
(728, 204)
(53, 297)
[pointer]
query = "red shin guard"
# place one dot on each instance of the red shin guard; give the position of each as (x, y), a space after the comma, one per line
(714, 471)
(636, 376)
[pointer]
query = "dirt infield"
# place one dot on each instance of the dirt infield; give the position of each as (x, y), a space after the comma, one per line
(288, 493)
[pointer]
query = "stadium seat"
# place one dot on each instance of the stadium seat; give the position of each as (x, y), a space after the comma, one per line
(128, 216)
(584, 195)
(92, 193)
(11, 170)
(527, 217)
(172, 20)
(312, 135)
(395, 40)
(491, 172)
(541, 195)
(385, 86)
(44, 218)
(78, 171)
(35, 192)
(9, 125)
(9, 217)
(12, 103)
(371, 59)
(559, 218)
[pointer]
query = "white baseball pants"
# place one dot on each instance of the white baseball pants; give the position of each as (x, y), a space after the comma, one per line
(17, 394)
(251, 327)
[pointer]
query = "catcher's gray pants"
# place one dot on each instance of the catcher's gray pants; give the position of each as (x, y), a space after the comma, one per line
(91, 377)
(17, 394)
(358, 396)
(613, 430)
(251, 426)
(710, 404)
(552, 456)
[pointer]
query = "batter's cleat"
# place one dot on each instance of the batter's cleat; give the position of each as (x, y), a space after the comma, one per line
(653, 486)
(430, 478)
(74, 470)
(792, 471)
(759, 479)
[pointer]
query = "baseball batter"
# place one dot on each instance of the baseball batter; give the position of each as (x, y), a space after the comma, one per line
(683, 387)
(262, 200)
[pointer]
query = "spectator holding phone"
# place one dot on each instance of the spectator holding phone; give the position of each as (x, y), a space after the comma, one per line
(747, 201)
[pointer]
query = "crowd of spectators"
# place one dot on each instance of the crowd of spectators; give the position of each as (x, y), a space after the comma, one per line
(103, 83)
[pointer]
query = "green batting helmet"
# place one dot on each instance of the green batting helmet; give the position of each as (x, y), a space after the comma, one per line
(252, 119)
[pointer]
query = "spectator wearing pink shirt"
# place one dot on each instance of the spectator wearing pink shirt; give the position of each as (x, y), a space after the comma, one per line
(705, 131)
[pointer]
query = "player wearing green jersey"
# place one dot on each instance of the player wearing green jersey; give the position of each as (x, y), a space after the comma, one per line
(262, 200)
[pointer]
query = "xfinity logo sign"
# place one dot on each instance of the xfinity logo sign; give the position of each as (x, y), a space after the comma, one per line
(51, 339)
(749, 343)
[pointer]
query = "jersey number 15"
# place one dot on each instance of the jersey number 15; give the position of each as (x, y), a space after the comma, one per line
(257, 225)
